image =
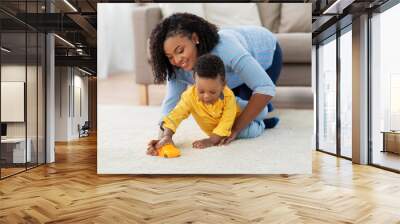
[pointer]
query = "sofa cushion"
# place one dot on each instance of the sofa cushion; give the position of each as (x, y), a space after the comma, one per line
(144, 20)
(295, 17)
(232, 14)
(168, 9)
(270, 15)
(296, 47)
(295, 75)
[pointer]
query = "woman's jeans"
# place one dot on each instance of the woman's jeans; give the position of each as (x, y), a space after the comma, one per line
(256, 127)
(244, 92)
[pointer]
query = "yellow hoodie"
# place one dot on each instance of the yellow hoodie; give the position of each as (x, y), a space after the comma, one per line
(214, 118)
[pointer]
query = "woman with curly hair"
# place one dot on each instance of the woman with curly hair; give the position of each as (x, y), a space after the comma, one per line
(251, 55)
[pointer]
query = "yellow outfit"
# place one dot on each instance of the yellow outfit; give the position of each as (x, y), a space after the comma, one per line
(214, 118)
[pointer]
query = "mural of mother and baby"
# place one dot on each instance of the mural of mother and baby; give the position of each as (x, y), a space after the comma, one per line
(231, 73)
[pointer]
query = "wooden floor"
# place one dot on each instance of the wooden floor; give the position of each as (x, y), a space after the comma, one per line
(10, 171)
(70, 191)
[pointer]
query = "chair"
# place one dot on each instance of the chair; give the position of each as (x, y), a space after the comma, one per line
(84, 130)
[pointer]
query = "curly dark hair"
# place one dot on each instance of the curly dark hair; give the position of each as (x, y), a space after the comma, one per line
(209, 66)
(179, 24)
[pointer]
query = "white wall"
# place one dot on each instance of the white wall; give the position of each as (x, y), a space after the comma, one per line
(114, 38)
(15, 73)
(62, 81)
(80, 103)
(18, 73)
(67, 116)
(33, 126)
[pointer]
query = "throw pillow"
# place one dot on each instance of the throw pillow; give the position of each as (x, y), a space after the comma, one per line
(295, 17)
(168, 9)
(270, 15)
(232, 14)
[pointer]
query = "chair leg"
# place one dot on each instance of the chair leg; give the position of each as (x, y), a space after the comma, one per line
(144, 94)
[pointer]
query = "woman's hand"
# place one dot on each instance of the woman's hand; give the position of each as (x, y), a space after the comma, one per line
(154, 145)
(230, 138)
(208, 142)
(255, 105)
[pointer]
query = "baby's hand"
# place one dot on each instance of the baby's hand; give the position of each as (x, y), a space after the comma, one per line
(203, 143)
(164, 141)
(154, 145)
(151, 148)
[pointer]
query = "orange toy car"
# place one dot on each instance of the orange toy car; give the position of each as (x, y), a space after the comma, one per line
(169, 151)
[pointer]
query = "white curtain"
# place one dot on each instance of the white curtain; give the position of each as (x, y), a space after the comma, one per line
(114, 38)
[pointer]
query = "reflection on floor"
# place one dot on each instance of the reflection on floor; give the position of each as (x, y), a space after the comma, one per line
(10, 169)
(386, 159)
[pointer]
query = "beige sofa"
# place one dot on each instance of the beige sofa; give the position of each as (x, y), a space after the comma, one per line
(290, 22)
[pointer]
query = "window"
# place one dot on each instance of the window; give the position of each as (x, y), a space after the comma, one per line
(22, 77)
(327, 96)
(346, 93)
(385, 89)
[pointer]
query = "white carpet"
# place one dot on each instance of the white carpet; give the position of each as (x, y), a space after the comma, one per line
(123, 133)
